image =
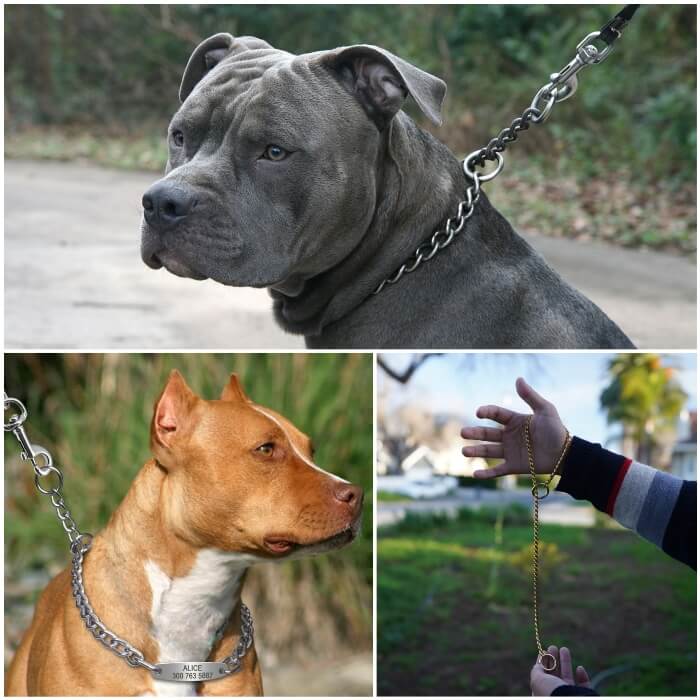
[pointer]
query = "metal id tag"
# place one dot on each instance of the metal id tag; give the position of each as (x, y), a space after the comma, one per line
(189, 671)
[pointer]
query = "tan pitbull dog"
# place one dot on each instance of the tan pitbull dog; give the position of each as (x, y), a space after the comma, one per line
(231, 484)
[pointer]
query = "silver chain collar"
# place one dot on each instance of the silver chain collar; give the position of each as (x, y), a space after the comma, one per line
(560, 87)
(80, 543)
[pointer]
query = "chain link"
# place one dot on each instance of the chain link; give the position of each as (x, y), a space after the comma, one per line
(245, 641)
(43, 466)
(540, 490)
(80, 544)
(560, 87)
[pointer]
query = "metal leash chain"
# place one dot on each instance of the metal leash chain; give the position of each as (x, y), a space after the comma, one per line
(540, 490)
(80, 543)
(560, 87)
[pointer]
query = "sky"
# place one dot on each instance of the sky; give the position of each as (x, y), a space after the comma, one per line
(459, 383)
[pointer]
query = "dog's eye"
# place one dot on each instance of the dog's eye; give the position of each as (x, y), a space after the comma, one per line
(178, 138)
(266, 449)
(273, 152)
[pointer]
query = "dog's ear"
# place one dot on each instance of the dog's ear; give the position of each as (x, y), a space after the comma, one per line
(172, 411)
(233, 391)
(207, 55)
(382, 82)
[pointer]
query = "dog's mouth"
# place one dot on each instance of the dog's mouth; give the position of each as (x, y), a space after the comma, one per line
(165, 259)
(282, 544)
(156, 256)
(223, 264)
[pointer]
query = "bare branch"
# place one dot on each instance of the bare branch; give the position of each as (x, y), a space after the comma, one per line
(404, 376)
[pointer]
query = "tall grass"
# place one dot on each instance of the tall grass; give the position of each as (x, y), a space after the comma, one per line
(93, 411)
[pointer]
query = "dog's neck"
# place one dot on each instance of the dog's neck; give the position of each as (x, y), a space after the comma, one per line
(420, 184)
(172, 599)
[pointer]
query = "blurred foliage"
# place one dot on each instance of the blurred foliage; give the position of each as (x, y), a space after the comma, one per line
(121, 65)
(616, 163)
(93, 413)
(645, 397)
(454, 606)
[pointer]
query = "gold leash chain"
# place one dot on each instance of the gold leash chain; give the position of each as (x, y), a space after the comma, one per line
(540, 490)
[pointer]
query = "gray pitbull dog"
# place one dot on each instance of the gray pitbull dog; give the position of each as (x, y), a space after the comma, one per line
(302, 174)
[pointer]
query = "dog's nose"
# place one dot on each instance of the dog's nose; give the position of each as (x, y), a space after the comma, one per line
(352, 495)
(164, 204)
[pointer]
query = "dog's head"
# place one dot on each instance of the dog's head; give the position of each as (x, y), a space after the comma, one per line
(241, 478)
(273, 160)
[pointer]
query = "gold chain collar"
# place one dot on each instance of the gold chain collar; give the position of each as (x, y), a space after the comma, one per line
(540, 490)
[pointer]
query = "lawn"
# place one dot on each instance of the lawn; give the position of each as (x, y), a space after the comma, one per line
(455, 617)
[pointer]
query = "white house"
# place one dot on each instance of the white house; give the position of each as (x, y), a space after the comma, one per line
(684, 456)
(419, 478)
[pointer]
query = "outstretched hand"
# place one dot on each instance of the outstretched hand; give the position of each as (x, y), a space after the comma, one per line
(544, 682)
(547, 433)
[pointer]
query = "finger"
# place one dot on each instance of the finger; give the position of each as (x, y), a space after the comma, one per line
(554, 651)
(566, 670)
(582, 677)
(498, 413)
(530, 396)
(477, 432)
(485, 449)
(499, 470)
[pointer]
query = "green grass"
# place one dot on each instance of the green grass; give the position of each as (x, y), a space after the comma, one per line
(387, 496)
(93, 413)
(145, 149)
(454, 606)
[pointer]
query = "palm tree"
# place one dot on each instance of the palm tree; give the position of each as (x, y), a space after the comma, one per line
(645, 398)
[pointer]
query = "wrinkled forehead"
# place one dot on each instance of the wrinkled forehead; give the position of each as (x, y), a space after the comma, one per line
(278, 85)
(236, 75)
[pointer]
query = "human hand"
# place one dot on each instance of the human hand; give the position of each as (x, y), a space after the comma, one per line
(547, 433)
(545, 682)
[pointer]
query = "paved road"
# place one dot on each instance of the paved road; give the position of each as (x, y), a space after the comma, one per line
(558, 508)
(74, 278)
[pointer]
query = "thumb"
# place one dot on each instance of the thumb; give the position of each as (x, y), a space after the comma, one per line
(531, 397)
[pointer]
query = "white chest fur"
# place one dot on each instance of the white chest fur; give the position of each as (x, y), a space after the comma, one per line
(188, 611)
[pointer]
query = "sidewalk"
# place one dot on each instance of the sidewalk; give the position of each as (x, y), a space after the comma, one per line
(557, 508)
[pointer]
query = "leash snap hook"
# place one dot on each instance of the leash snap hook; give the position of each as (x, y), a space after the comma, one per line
(16, 419)
(567, 89)
(589, 53)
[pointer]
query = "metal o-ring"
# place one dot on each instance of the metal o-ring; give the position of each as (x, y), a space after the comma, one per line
(548, 662)
(540, 491)
(56, 489)
(81, 543)
(468, 167)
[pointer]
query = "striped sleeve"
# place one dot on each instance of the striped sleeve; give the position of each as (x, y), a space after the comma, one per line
(658, 506)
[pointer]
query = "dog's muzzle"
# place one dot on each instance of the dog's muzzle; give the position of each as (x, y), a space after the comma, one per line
(156, 255)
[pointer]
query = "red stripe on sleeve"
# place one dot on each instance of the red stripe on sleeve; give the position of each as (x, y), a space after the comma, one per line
(617, 485)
